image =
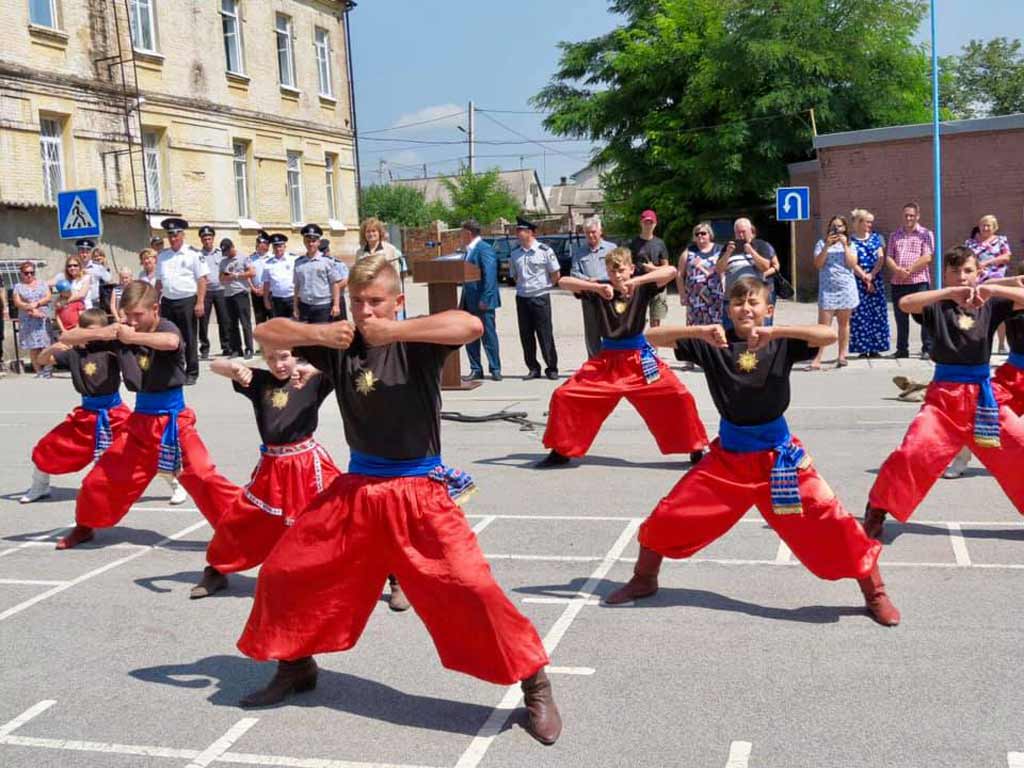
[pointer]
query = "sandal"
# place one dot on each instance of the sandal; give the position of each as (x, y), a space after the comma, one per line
(842, 363)
(812, 367)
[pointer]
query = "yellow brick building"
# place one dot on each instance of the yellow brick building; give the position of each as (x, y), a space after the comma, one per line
(234, 113)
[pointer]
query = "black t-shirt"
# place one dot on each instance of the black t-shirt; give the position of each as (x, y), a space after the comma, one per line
(389, 396)
(285, 414)
(149, 370)
(1015, 332)
(963, 335)
(95, 370)
(621, 317)
(748, 388)
(653, 251)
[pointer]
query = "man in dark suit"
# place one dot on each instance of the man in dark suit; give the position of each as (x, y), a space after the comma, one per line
(481, 298)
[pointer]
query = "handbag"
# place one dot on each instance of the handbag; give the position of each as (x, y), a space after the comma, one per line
(783, 288)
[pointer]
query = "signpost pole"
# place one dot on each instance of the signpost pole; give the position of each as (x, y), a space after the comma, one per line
(792, 254)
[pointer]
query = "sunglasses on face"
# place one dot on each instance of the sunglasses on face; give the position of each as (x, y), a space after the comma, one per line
(76, 266)
(28, 272)
(703, 234)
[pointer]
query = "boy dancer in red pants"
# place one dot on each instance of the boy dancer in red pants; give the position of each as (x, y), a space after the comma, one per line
(755, 461)
(627, 366)
(91, 427)
(392, 512)
(960, 408)
(292, 470)
(160, 434)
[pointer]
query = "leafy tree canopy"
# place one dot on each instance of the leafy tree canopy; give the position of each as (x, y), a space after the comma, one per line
(986, 79)
(481, 196)
(396, 204)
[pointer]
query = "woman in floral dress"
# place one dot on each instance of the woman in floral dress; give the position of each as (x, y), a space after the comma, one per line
(869, 325)
(31, 296)
(993, 252)
(700, 286)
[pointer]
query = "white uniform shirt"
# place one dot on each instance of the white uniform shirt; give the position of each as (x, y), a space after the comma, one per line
(532, 268)
(259, 261)
(279, 276)
(179, 272)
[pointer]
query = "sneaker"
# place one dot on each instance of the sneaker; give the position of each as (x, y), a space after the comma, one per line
(178, 493)
(956, 469)
(40, 487)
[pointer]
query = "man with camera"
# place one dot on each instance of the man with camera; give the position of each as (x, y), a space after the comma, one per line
(745, 256)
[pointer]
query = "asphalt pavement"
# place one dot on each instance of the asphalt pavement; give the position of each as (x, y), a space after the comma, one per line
(743, 659)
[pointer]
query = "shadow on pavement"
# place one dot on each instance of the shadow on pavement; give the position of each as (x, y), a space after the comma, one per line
(231, 677)
(527, 460)
(106, 537)
(894, 529)
(239, 585)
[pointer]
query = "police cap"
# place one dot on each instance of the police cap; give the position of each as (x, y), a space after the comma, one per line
(173, 226)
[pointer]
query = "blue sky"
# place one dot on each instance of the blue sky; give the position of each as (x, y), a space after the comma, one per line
(417, 61)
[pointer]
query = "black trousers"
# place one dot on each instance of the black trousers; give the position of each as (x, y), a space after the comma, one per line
(218, 302)
(316, 313)
(282, 307)
(592, 327)
(258, 310)
(239, 315)
(181, 312)
(535, 326)
(903, 319)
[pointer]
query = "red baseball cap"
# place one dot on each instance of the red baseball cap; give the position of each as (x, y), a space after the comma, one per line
(649, 215)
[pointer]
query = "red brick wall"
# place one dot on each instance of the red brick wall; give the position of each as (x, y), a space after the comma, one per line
(414, 240)
(982, 173)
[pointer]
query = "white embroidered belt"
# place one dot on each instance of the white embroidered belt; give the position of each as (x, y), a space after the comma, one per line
(290, 449)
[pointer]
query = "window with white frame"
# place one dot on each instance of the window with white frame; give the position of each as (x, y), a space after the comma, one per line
(322, 45)
(330, 161)
(151, 164)
(241, 162)
(143, 18)
(295, 186)
(285, 51)
(232, 36)
(51, 148)
(43, 13)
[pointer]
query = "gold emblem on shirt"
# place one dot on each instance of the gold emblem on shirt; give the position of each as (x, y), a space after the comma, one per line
(620, 307)
(144, 362)
(89, 369)
(746, 362)
(279, 398)
(366, 382)
(965, 322)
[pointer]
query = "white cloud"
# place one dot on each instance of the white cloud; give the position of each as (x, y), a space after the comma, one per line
(436, 113)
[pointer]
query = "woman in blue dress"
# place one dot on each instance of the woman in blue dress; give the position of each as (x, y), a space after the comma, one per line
(869, 326)
(835, 259)
(31, 296)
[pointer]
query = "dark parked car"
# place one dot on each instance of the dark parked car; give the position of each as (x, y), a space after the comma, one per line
(562, 245)
(503, 245)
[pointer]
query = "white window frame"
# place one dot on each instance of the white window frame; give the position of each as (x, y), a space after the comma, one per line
(148, 8)
(293, 184)
(283, 31)
(330, 180)
(54, 19)
(322, 50)
(240, 163)
(151, 164)
(231, 17)
(51, 151)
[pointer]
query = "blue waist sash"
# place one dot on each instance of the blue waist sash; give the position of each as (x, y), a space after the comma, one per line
(459, 484)
(169, 403)
(1016, 359)
(648, 357)
(986, 412)
(789, 457)
(103, 435)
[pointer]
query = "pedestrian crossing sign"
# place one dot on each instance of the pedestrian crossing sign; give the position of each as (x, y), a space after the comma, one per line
(78, 214)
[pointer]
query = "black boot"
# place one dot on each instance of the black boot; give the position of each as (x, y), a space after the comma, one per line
(553, 459)
(296, 676)
(212, 581)
(544, 723)
(396, 600)
(874, 521)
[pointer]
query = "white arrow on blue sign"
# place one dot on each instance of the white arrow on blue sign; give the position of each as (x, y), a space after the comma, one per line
(792, 203)
(78, 214)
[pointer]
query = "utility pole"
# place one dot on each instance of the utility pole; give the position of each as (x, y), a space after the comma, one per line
(472, 131)
(424, 170)
(380, 171)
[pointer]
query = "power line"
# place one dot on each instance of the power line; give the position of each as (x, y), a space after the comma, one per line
(514, 111)
(411, 125)
(528, 141)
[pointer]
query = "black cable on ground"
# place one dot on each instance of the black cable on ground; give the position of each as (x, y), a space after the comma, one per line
(513, 417)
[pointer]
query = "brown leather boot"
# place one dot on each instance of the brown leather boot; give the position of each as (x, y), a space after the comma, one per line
(874, 521)
(878, 603)
(79, 535)
(544, 723)
(644, 582)
(212, 581)
(296, 676)
(397, 600)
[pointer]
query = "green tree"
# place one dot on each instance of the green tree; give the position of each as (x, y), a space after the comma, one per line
(481, 196)
(396, 204)
(986, 79)
(702, 103)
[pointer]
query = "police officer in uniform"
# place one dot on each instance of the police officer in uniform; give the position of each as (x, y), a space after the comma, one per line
(215, 297)
(181, 276)
(259, 261)
(98, 273)
(279, 279)
(536, 271)
(318, 282)
(235, 272)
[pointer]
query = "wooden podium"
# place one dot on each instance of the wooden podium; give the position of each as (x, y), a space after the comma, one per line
(443, 276)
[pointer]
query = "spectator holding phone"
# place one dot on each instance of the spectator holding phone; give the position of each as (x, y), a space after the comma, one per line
(747, 256)
(835, 260)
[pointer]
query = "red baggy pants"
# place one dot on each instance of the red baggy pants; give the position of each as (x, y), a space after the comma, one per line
(943, 426)
(580, 405)
(69, 446)
(712, 497)
(1008, 385)
(318, 587)
(280, 490)
(125, 469)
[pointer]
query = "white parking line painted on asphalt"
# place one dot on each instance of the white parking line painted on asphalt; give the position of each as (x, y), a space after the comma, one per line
(484, 522)
(784, 554)
(560, 600)
(1015, 760)
(223, 744)
(956, 540)
(739, 754)
(36, 709)
(584, 671)
(101, 747)
(485, 736)
(95, 572)
(32, 582)
(46, 539)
